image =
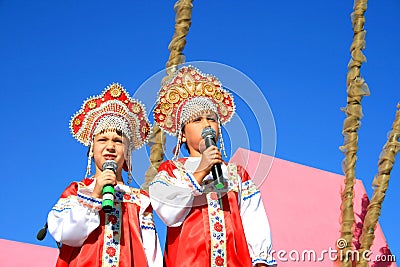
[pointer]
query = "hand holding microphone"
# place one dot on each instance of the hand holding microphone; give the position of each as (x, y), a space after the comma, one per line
(108, 190)
(209, 136)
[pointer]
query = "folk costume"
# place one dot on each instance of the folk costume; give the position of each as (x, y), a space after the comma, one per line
(90, 237)
(206, 226)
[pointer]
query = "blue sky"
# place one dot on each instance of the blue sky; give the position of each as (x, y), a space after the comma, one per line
(55, 54)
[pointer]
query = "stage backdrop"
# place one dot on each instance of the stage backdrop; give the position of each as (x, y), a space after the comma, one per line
(303, 207)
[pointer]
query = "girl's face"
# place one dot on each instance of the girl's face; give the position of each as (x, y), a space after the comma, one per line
(192, 131)
(109, 145)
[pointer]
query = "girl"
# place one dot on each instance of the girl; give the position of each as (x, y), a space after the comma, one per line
(111, 125)
(206, 226)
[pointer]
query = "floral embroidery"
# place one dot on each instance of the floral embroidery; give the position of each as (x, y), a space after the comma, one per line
(131, 197)
(219, 261)
(218, 227)
(112, 235)
(249, 189)
(232, 177)
(216, 217)
(111, 251)
(112, 228)
(112, 219)
(213, 196)
(217, 230)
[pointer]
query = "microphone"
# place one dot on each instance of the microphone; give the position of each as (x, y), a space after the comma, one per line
(209, 135)
(108, 190)
(42, 233)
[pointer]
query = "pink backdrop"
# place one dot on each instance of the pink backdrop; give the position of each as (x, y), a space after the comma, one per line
(17, 254)
(303, 207)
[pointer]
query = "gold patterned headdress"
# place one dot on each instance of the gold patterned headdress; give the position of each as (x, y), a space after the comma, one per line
(113, 109)
(186, 95)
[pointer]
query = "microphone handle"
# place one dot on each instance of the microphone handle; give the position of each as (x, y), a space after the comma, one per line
(108, 190)
(108, 198)
(217, 175)
(216, 169)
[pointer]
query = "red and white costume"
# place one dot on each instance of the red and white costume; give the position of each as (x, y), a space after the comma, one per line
(124, 237)
(206, 226)
(200, 233)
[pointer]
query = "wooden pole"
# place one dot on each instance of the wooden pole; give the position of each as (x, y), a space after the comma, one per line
(356, 89)
(183, 21)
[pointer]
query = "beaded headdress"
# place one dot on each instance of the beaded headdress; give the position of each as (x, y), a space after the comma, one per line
(187, 94)
(113, 109)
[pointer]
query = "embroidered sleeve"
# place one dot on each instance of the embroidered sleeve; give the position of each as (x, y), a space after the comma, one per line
(255, 222)
(74, 216)
(172, 193)
(173, 173)
(150, 239)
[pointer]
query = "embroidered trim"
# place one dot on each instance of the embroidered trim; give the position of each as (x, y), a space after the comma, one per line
(90, 199)
(112, 235)
(65, 204)
(162, 177)
(217, 231)
(232, 177)
(193, 183)
(147, 227)
(60, 210)
(249, 189)
(89, 202)
(147, 221)
(132, 197)
(158, 181)
(266, 261)
(252, 195)
(187, 177)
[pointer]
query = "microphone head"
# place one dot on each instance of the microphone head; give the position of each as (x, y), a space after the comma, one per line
(208, 132)
(110, 165)
(42, 233)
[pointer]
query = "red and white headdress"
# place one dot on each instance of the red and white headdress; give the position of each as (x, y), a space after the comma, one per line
(113, 109)
(186, 95)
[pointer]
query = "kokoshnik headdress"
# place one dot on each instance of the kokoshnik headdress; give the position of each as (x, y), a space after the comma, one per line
(113, 109)
(186, 95)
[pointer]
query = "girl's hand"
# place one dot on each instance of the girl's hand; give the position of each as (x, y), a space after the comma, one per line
(209, 158)
(104, 178)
